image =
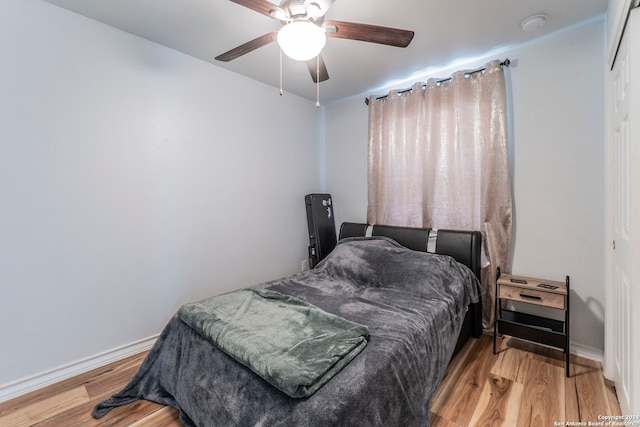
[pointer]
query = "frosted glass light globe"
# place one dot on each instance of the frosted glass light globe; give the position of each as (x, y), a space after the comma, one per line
(301, 40)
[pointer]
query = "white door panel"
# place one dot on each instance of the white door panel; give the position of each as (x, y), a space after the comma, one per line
(623, 184)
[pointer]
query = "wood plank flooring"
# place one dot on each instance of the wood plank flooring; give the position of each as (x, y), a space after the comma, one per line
(523, 385)
(70, 402)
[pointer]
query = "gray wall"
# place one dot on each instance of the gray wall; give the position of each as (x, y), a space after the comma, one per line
(556, 90)
(133, 179)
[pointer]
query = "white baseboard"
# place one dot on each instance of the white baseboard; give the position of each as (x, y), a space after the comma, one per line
(587, 352)
(34, 382)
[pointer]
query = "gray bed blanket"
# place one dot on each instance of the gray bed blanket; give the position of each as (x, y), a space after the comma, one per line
(413, 304)
(291, 344)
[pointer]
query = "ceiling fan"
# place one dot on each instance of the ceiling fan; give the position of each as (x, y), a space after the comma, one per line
(304, 32)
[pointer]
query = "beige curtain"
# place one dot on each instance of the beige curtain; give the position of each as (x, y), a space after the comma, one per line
(438, 158)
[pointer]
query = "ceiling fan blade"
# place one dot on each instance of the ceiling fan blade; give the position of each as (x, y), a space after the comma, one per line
(261, 6)
(316, 70)
(370, 33)
(248, 47)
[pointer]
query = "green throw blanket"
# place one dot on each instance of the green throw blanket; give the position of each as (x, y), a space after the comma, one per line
(293, 345)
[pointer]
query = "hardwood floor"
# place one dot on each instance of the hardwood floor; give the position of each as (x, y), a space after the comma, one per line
(70, 402)
(523, 385)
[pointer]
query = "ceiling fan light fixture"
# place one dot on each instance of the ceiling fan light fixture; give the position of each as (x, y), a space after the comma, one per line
(301, 40)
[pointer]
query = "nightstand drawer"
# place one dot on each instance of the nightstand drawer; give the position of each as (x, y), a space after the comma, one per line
(531, 296)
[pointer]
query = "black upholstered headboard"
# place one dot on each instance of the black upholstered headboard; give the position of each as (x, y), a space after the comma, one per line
(463, 246)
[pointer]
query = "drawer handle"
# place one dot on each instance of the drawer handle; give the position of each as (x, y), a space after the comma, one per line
(530, 296)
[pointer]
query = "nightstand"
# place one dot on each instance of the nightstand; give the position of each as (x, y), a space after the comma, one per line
(530, 327)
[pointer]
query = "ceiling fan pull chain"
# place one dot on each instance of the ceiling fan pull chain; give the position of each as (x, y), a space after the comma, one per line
(318, 80)
(280, 72)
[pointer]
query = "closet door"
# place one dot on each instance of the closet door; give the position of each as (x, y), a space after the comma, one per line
(623, 186)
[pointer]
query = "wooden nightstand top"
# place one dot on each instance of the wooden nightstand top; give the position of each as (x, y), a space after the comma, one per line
(533, 284)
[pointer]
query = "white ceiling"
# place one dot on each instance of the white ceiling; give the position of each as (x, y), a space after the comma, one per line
(446, 31)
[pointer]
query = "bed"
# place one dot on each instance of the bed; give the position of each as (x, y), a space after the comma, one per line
(417, 309)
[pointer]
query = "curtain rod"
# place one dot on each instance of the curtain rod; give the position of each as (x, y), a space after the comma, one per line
(504, 63)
